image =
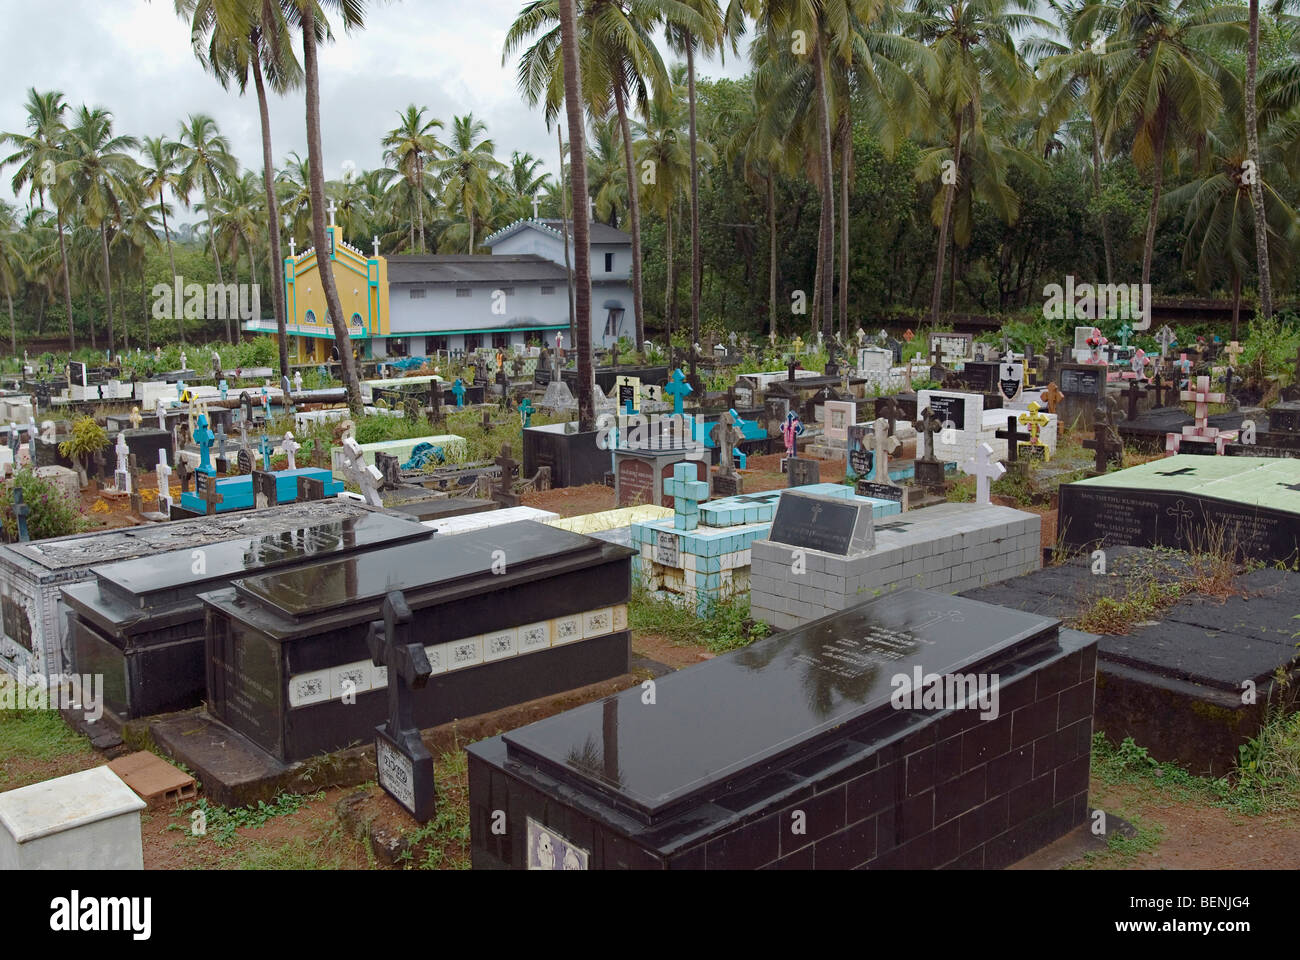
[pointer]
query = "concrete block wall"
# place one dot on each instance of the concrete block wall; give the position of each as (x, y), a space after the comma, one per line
(950, 547)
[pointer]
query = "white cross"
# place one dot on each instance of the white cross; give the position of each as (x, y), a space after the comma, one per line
(376, 243)
(984, 468)
(293, 247)
(164, 474)
(297, 380)
(366, 477)
(1234, 350)
(537, 202)
(290, 446)
(333, 209)
(123, 478)
(884, 446)
(161, 410)
(1164, 337)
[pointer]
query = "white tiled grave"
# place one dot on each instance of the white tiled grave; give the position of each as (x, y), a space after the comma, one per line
(88, 820)
(977, 425)
(488, 518)
(950, 547)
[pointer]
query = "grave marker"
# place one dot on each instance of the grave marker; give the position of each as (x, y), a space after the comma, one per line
(828, 524)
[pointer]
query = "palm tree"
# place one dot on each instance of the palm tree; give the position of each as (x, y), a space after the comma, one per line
(1252, 154)
(238, 219)
(248, 37)
(315, 30)
(520, 184)
(409, 147)
(98, 170)
(606, 172)
(573, 104)
(206, 163)
(467, 172)
(35, 156)
(975, 64)
(294, 196)
(11, 265)
(1162, 76)
(160, 173)
(660, 143)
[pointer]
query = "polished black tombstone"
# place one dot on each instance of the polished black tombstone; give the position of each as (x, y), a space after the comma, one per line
(810, 720)
(829, 524)
(575, 458)
(140, 622)
(511, 602)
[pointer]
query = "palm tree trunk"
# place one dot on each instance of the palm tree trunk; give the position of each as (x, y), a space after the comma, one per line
(316, 160)
(108, 283)
(1149, 244)
(573, 104)
(419, 199)
(564, 228)
(67, 284)
(828, 190)
(695, 203)
(1257, 182)
(944, 222)
(634, 212)
(1096, 192)
(670, 281)
(171, 256)
(13, 327)
(273, 222)
(1236, 304)
(216, 255)
(846, 160)
(771, 252)
(144, 302)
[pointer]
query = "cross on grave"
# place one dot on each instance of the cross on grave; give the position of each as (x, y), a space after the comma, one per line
(525, 412)
(1202, 397)
(1165, 337)
(203, 436)
(183, 472)
(1053, 396)
(928, 425)
(1125, 331)
(121, 475)
(1035, 421)
(504, 493)
(1161, 390)
(687, 491)
(1051, 355)
(1184, 366)
(791, 430)
(891, 412)
(1012, 435)
(458, 388)
(164, 475)
(366, 477)
(1103, 445)
(1135, 393)
(883, 444)
(264, 448)
(405, 767)
(1182, 515)
(20, 512)
(678, 389)
(1233, 350)
(205, 487)
(290, 446)
(984, 468)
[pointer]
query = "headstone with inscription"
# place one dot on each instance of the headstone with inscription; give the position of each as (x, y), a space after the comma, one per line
(828, 524)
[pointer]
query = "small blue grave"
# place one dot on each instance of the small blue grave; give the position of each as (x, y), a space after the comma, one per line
(237, 492)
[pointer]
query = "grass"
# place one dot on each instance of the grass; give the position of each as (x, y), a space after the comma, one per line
(220, 824)
(38, 736)
(443, 842)
(725, 626)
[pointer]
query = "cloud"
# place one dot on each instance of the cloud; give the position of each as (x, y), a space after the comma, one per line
(135, 59)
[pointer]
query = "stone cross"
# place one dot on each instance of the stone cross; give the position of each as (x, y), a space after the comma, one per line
(884, 443)
(164, 475)
(1202, 397)
(205, 487)
(687, 491)
(365, 476)
(1053, 396)
(458, 388)
(725, 435)
(984, 468)
(1104, 446)
(504, 493)
(928, 424)
(135, 418)
(1161, 389)
(290, 446)
(1165, 337)
(678, 389)
(1051, 355)
(1135, 393)
(1125, 331)
(264, 448)
(293, 246)
(333, 209)
(375, 241)
(392, 644)
(203, 436)
(525, 412)
(1012, 435)
(121, 476)
(20, 512)
(891, 412)
(1234, 350)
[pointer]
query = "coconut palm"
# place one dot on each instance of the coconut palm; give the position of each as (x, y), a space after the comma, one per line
(409, 147)
(11, 265)
(293, 185)
(96, 167)
(467, 171)
(606, 172)
(206, 164)
(520, 184)
(160, 173)
(35, 158)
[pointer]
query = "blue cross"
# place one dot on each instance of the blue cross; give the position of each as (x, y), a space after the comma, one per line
(526, 411)
(459, 390)
(203, 436)
(687, 492)
(1125, 331)
(265, 449)
(180, 389)
(224, 388)
(678, 388)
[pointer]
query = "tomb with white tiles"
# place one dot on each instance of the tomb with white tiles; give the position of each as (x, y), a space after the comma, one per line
(966, 423)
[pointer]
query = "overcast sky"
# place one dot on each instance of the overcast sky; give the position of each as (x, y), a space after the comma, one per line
(134, 58)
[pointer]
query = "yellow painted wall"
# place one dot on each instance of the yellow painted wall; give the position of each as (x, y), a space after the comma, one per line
(362, 284)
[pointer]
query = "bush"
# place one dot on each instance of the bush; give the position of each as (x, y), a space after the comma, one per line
(87, 437)
(50, 514)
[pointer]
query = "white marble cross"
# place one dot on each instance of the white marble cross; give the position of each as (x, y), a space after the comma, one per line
(162, 414)
(290, 446)
(375, 241)
(122, 476)
(884, 446)
(297, 380)
(164, 473)
(984, 468)
(366, 477)
(293, 246)
(333, 208)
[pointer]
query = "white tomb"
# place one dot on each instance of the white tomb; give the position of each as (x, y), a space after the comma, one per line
(85, 821)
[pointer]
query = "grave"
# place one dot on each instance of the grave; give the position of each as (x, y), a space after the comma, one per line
(646, 451)
(453, 448)
(947, 547)
(1083, 386)
(140, 623)
(237, 493)
(33, 615)
(88, 820)
(1248, 505)
(465, 522)
(441, 506)
(804, 721)
(966, 421)
(514, 612)
(575, 458)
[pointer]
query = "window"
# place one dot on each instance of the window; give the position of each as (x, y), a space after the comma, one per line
(433, 344)
(472, 341)
(417, 293)
(609, 263)
(508, 291)
(613, 322)
(464, 292)
(397, 347)
(500, 341)
(547, 289)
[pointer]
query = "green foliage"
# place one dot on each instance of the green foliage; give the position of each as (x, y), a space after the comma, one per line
(726, 625)
(223, 822)
(50, 514)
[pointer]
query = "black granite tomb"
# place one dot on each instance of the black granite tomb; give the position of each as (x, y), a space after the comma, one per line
(575, 458)
(140, 622)
(792, 753)
(508, 614)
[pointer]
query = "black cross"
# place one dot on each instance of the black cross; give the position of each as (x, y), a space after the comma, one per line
(891, 412)
(1050, 353)
(1181, 471)
(1105, 448)
(391, 645)
(1290, 486)
(1012, 435)
(790, 368)
(762, 498)
(1135, 393)
(1161, 389)
(505, 494)
(929, 425)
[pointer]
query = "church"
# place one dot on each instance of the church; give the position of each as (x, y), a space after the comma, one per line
(417, 305)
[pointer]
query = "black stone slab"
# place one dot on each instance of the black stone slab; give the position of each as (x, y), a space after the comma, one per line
(441, 508)
(948, 409)
(828, 524)
(145, 443)
(575, 458)
(1148, 431)
(744, 711)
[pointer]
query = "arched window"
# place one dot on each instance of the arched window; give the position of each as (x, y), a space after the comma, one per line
(311, 316)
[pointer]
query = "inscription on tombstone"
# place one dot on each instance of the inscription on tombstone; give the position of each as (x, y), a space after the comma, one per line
(828, 524)
(264, 490)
